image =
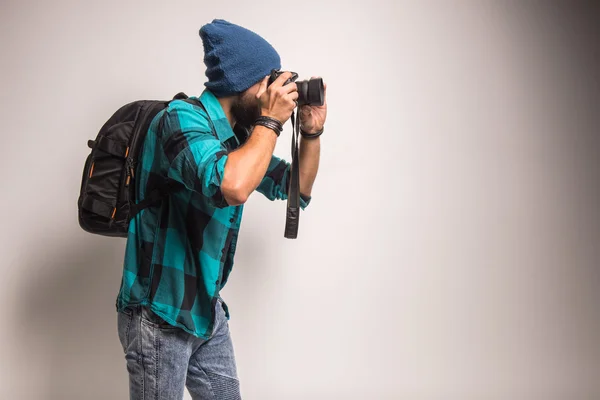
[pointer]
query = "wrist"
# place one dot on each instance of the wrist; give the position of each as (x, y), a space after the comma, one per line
(265, 114)
(269, 122)
(264, 131)
(311, 134)
(312, 131)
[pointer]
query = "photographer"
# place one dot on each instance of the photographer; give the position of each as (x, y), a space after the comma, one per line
(172, 322)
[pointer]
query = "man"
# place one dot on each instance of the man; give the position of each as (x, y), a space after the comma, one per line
(172, 322)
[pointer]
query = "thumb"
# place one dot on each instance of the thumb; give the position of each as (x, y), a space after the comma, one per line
(263, 87)
(305, 110)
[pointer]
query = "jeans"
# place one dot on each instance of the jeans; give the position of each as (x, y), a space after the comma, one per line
(162, 359)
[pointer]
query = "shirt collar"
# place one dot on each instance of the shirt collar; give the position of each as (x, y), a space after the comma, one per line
(217, 115)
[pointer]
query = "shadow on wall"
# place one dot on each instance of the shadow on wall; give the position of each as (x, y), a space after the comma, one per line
(68, 320)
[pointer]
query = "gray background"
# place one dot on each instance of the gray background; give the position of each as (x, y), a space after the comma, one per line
(452, 247)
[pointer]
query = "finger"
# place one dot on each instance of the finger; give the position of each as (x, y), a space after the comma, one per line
(306, 110)
(294, 95)
(290, 88)
(263, 87)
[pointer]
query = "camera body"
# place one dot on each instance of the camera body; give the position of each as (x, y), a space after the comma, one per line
(310, 92)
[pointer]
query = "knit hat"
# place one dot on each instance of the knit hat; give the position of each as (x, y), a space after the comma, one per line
(235, 57)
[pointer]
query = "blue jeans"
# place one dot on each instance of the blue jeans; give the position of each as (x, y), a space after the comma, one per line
(162, 359)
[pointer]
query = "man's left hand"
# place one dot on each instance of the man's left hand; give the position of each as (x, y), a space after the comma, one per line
(312, 118)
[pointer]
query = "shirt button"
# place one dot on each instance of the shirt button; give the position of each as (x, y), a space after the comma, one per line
(232, 220)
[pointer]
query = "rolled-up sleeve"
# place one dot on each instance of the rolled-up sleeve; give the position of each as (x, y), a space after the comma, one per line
(274, 185)
(196, 157)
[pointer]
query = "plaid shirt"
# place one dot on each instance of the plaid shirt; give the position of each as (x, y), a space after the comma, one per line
(180, 254)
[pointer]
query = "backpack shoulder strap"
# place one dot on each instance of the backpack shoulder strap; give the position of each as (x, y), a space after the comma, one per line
(166, 187)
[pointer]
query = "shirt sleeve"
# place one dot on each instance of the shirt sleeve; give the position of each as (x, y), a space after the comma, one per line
(275, 183)
(196, 157)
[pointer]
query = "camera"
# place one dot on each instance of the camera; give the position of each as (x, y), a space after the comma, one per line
(309, 92)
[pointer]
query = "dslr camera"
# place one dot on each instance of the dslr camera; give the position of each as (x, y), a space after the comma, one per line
(309, 92)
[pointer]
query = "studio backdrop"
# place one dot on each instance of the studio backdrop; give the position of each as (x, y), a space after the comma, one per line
(451, 250)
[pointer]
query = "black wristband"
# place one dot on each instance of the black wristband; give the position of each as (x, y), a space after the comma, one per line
(270, 123)
(274, 120)
(273, 127)
(311, 135)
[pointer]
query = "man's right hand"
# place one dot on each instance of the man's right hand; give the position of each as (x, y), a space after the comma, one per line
(278, 101)
(247, 165)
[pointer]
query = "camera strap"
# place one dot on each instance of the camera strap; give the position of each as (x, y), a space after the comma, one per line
(293, 201)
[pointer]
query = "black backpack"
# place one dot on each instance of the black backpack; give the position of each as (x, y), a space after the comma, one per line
(107, 198)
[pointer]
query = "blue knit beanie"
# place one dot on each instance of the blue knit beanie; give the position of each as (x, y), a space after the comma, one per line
(235, 57)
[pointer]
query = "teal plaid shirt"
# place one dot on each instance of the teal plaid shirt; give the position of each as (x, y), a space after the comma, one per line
(179, 255)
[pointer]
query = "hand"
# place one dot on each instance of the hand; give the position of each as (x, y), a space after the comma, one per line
(277, 101)
(312, 118)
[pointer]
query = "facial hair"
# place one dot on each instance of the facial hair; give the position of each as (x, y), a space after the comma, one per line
(245, 110)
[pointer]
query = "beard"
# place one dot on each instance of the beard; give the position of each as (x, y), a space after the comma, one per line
(245, 110)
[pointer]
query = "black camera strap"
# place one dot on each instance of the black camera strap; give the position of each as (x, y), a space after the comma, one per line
(293, 201)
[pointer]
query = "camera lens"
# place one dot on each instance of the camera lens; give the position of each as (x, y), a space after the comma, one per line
(310, 92)
(315, 92)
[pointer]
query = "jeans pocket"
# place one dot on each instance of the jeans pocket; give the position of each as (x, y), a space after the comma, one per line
(149, 317)
(124, 319)
(128, 310)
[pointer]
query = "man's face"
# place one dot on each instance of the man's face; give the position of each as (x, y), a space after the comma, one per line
(246, 108)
